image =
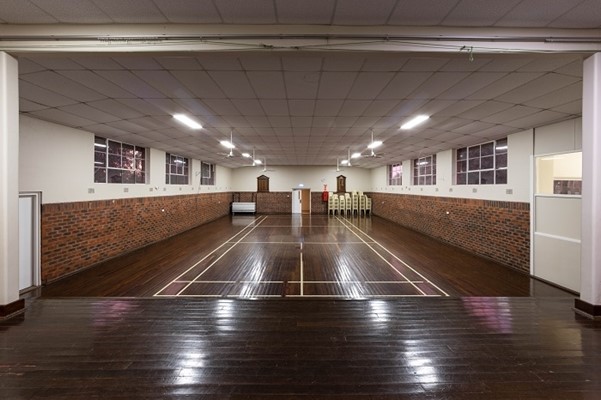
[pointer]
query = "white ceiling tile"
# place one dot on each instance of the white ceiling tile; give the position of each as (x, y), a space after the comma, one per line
(380, 108)
(219, 62)
(564, 95)
(354, 107)
(327, 107)
(343, 62)
(478, 13)
(97, 83)
(369, 84)
(587, 14)
(153, 123)
(421, 12)
(359, 12)
(575, 108)
(536, 13)
(62, 117)
(463, 63)
(248, 107)
(142, 106)
(93, 114)
(301, 122)
(199, 83)
(449, 124)
(137, 62)
(299, 12)
(178, 63)
(545, 63)
(438, 83)
(366, 122)
(301, 85)
(56, 62)
(186, 11)
(165, 83)
(474, 82)
(261, 62)
(403, 84)
(424, 64)
(484, 110)
(504, 85)
(275, 107)
(301, 107)
(194, 106)
(407, 107)
(221, 106)
(533, 121)
(307, 63)
(448, 108)
(258, 121)
(42, 96)
(335, 85)
(95, 62)
(246, 12)
(573, 69)
(58, 83)
(510, 114)
(24, 12)
(538, 87)
(234, 84)
(27, 66)
(107, 131)
(167, 106)
(473, 127)
(507, 63)
(280, 122)
(131, 83)
(115, 108)
(138, 11)
(384, 62)
(267, 84)
(27, 106)
(81, 12)
(323, 122)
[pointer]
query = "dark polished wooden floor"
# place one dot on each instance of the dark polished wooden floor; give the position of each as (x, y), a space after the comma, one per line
(294, 256)
(410, 348)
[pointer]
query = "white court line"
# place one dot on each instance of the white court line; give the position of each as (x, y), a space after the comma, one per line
(208, 255)
(354, 282)
(344, 296)
(302, 271)
(332, 243)
(221, 256)
(401, 261)
(387, 262)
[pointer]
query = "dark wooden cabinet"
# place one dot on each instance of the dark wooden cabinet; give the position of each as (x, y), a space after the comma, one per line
(263, 183)
(341, 184)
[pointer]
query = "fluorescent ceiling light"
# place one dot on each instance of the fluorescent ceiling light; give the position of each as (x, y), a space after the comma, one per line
(356, 155)
(412, 123)
(258, 162)
(245, 155)
(189, 122)
(374, 144)
(344, 162)
(228, 144)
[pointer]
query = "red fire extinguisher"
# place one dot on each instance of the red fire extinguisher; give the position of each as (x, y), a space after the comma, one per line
(325, 194)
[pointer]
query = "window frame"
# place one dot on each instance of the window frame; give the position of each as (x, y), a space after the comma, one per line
(177, 169)
(207, 179)
(119, 162)
(390, 172)
(482, 164)
(424, 170)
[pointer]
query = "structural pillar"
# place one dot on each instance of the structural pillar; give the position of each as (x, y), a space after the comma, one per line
(589, 302)
(10, 304)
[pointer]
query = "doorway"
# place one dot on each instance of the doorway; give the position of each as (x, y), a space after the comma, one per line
(301, 201)
(29, 240)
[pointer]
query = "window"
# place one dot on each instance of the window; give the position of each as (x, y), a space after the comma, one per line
(116, 162)
(424, 170)
(207, 173)
(176, 170)
(483, 164)
(395, 174)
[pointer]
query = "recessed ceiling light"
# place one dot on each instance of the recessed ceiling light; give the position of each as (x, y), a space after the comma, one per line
(412, 123)
(189, 122)
(228, 144)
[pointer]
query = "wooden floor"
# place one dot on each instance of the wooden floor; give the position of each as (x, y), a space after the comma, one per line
(156, 335)
(299, 256)
(410, 348)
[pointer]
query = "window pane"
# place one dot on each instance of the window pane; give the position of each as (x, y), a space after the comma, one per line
(140, 177)
(474, 152)
(487, 162)
(461, 166)
(501, 146)
(114, 161)
(127, 150)
(462, 154)
(487, 149)
(487, 177)
(422, 180)
(100, 175)
(473, 178)
(128, 162)
(173, 169)
(114, 176)
(141, 165)
(140, 152)
(461, 179)
(501, 177)
(128, 177)
(501, 160)
(428, 180)
(474, 164)
(99, 159)
(114, 147)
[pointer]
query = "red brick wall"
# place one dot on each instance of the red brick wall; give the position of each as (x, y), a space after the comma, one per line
(280, 202)
(78, 235)
(499, 230)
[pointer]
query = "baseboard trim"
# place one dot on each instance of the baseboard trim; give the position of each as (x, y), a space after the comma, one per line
(588, 310)
(13, 309)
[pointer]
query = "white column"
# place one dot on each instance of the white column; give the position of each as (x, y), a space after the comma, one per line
(9, 187)
(590, 288)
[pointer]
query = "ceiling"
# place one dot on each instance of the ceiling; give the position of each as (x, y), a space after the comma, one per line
(302, 105)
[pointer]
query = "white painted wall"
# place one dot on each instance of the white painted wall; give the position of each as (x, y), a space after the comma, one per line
(58, 161)
(520, 147)
(284, 178)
